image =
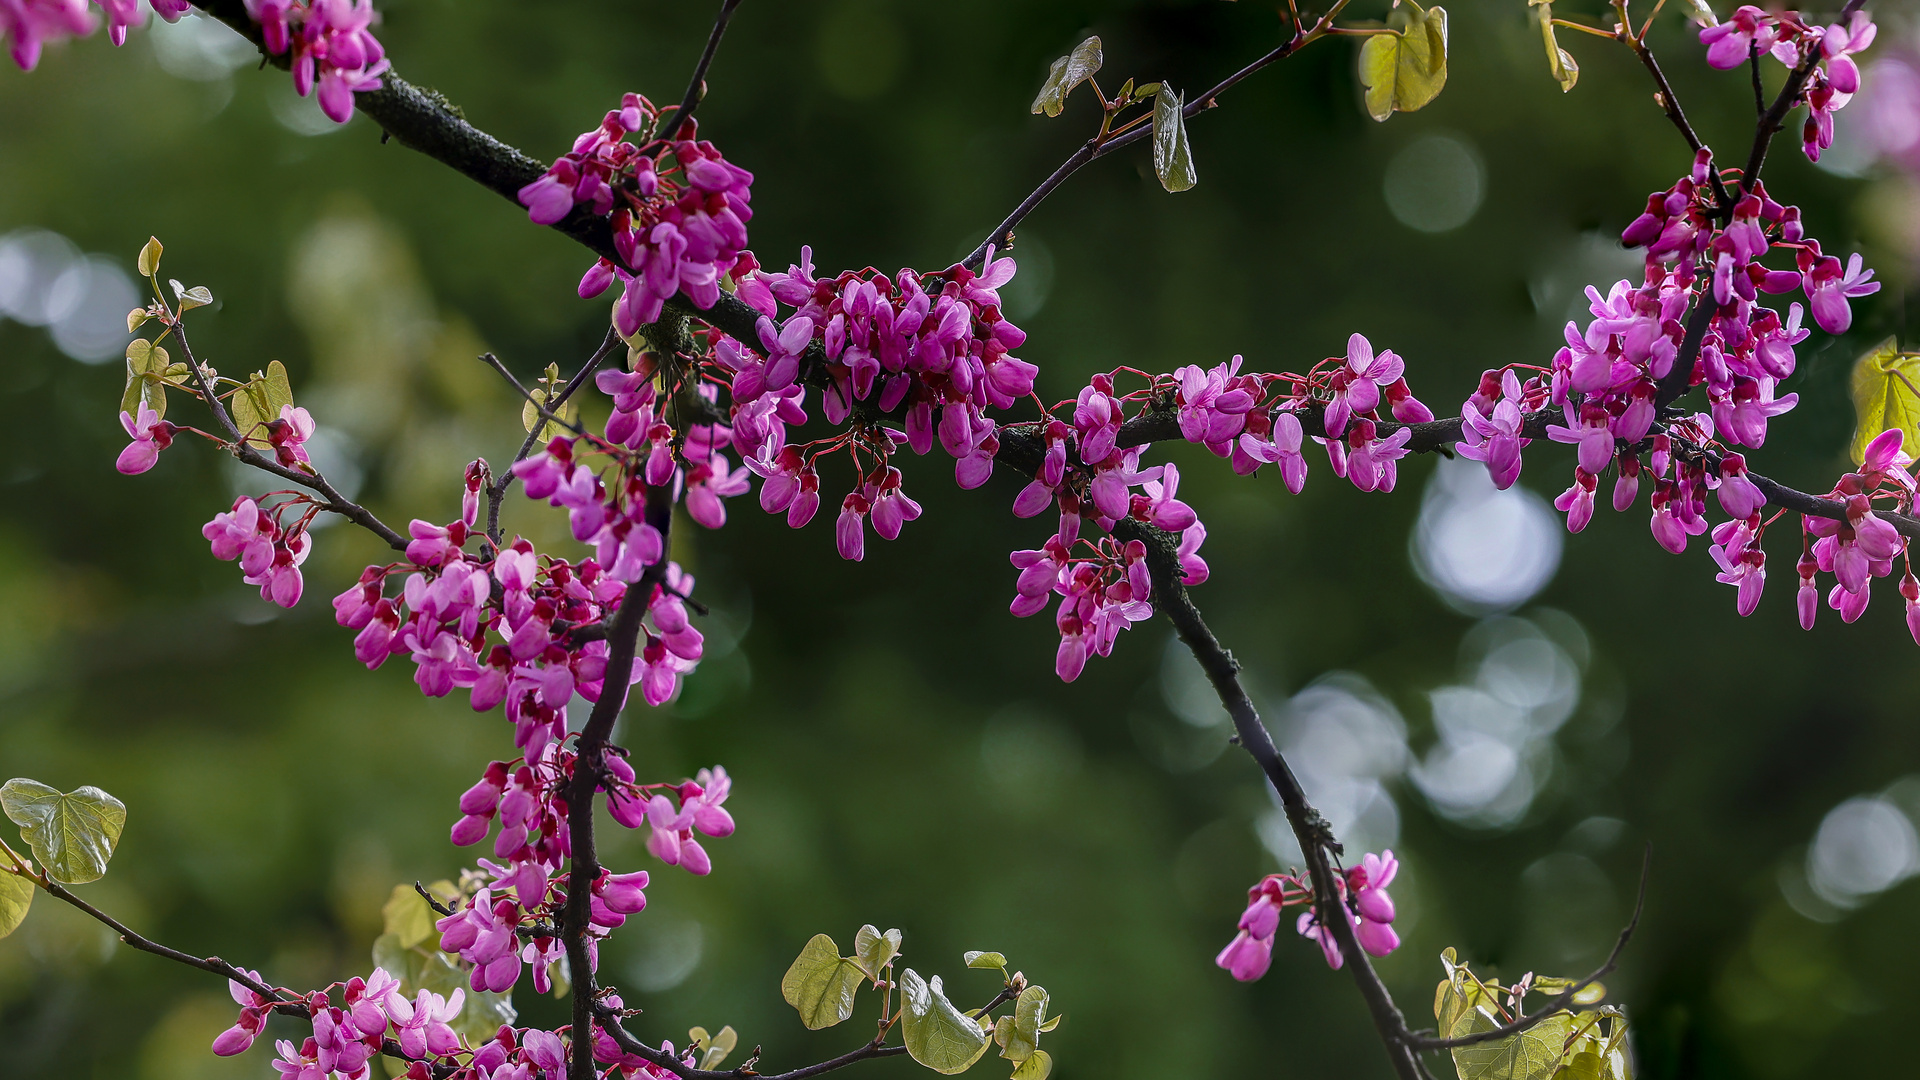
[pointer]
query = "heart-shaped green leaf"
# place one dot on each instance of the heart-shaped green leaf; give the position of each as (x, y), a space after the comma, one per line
(1172, 157)
(16, 896)
(1404, 70)
(873, 950)
(937, 1035)
(198, 296)
(1534, 1054)
(72, 834)
(1036, 1067)
(977, 958)
(820, 984)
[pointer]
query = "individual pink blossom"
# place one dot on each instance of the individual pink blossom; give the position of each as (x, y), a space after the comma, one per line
(150, 435)
(1748, 32)
(1356, 386)
(1495, 438)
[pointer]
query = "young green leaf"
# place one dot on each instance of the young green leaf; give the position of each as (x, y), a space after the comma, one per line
(1886, 395)
(1534, 1054)
(1699, 12)
(16, 896)
(820, 984)
(250, 413)
(72, 833)
(1589, 994)
(1559, 61)
(1406, 69)
(1172, 157)
(1034, 1068)
(937, 1034)
(979, 959)
(407, 916)
(198, 296)
(279, 390)
(135, 318)
(1066, 73)
(1142, 93)
(149, 261)
(1022, 1037)
(873, 951)
(713, 1048)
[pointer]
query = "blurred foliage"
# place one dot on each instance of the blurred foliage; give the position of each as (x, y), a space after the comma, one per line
(903, 751)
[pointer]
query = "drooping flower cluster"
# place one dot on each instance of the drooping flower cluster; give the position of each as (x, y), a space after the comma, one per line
(679, 211)
(1789, 39)
(332, 48)
(1364, 903)
(28, 25)
(270, 547)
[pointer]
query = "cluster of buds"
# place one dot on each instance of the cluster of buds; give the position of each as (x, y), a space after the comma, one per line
(678, 208)
(1364, 903)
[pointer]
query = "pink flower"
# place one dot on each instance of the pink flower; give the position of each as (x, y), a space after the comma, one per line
(1495, 439)
(1828, 289)
(1356, 387)
(1749, 32)
(150, 435)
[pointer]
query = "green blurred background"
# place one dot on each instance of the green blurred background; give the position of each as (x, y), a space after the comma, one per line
(1516, 715)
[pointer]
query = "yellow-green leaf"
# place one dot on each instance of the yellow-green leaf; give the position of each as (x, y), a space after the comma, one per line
(1034, 1068)
(873, 950)
(407, 916)
(820, 984)
(149, 262)
(1066, 73)
(1589, 994)
(937, 1034)
(1559, 61)
(279, 390)
(1534, 1054)
(198, 296)
(1405, 69)
(1886, 395)
(713, 1048)
(1699, 12)
(977, 958)
(1021, 1038)
(71, 833)
(134, 318)
(249, 407)
(16, 896)
(1172, 157)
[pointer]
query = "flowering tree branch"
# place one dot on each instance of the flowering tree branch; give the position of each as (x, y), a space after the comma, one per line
(497, 491)
(309, 478)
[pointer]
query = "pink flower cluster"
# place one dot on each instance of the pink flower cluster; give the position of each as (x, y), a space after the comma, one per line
(679, 212)
(348, 1035)
(30, 24)
(1752, 32)
(1863, 545)
(331, 47)
(269, 548)
(935, 346)
(1364, 904)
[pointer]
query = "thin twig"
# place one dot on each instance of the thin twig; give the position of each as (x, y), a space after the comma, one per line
(1773, 121)
(334, 501)
(1095, 148)
(212, 965)
(1309, 828)
(1565, 997)
(498, 492)
(494, 362)
(697, 86)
